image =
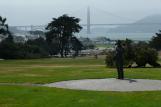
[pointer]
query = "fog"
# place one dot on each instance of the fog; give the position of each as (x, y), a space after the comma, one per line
(40, 12)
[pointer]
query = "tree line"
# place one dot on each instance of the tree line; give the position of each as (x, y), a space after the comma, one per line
(59, 39)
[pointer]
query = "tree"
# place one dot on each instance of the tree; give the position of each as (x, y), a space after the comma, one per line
(61, 29)
(76, 45)
(41, 44)
(8, 48)
(7, 45)
(156, 41)
(3, 27)
(128, 52)
(11, 50)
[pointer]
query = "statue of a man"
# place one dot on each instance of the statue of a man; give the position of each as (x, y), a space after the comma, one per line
(119, 60)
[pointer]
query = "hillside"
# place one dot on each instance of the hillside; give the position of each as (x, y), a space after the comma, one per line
(142, 26)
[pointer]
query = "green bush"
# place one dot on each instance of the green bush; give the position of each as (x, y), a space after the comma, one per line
(141, 57)
(145, 55)
(139, 53)
(110, 57)
(128, 52)
(152, 57)
(11, 50)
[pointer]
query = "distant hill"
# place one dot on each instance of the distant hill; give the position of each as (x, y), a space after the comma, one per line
(140, 26)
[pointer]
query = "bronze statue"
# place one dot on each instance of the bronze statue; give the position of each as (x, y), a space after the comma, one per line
(119, 60)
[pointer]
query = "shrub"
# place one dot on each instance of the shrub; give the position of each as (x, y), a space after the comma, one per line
(110, 59)
(145, 55)
(11, 50)
(140, 53)
(152, 57)
(128, 52)
(140, 57)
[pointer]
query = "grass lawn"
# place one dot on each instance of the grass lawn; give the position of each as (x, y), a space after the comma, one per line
(56, 69)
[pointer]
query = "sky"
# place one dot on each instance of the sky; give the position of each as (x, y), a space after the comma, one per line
(41, 12)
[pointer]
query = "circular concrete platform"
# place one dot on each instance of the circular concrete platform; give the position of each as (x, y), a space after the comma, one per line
(110, 84)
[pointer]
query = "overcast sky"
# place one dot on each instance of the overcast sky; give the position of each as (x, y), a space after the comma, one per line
(40, 12)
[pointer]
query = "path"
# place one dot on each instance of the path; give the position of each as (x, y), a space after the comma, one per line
(110, 85)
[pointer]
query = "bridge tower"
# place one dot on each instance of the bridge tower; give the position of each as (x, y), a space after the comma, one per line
(88, 21)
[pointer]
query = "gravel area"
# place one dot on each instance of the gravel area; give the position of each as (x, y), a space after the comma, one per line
(110, 84)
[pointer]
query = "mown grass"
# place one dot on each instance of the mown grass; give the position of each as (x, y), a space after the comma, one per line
(11, 96)
(56, 69)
